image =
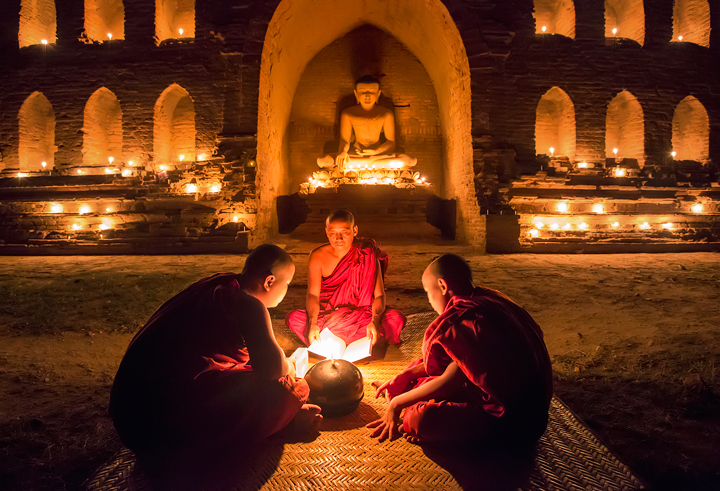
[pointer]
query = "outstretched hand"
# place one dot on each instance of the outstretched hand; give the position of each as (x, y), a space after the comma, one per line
(371, 333)
(388, 427)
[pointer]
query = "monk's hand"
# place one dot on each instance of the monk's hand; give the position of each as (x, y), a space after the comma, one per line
(372, 333)
(394, 386)
(388, 427)
(313, 333)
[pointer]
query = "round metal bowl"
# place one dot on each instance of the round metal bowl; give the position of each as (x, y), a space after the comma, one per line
(336, 386)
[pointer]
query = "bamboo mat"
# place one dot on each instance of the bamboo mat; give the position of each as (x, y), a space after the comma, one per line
(568, 456)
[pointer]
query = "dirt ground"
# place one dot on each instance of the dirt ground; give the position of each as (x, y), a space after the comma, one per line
(634, 340)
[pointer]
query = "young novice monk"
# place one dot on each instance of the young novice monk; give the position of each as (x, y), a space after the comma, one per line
(206, 368)
(485, 373)
(345, 288)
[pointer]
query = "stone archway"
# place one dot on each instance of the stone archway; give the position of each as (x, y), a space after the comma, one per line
(300, 29)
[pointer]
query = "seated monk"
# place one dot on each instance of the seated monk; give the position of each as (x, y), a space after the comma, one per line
(485, 374)
(206, 368)
(366, 121)
(346, 293)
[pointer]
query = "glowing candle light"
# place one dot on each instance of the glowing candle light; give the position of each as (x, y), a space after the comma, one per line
(181, 31)
(191, 188)
(21, 174)
(108, 210)
(76, 226)
(44, 41)
(111, 159)
(104, 226)
(614, 31)
(108, 170)
(163, 167)
(236, 218)
(539, 224)
(182, 157)
(667, 226)
(544, 28)
(619, 172)
(645, 226)
(679, 38)
(582, 165)
(615, 151)
(215, 188)
(84, 209)
(131, 163)
(567, 226)
(697, 208)
(554, 226)
(583, 226)
(673, 154)
(201, 157)
(109, 35)
(562, 207)
(534, 232)
(56, 208)
(126, 172)
(44, 164)
(422, 179)
(552, 151)
(80, 171)
(598, 208)
(615, 224)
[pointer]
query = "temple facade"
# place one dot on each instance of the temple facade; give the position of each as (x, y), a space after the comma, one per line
(140, 126)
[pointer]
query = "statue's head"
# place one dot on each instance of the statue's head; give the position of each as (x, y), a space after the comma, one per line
(367, 91)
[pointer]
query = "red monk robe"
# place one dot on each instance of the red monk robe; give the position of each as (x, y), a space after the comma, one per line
(187, 378)
(501, 352)
(346, 297)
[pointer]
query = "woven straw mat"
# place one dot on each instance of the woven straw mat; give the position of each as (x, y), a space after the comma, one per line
(343, 456)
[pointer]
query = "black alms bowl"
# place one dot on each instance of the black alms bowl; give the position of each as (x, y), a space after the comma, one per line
(336, 386)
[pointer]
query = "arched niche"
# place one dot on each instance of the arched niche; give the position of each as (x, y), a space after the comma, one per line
(104, 20)
(300, 29)
(625, 19)
(174, 19)
(625, 128)
(691, 130)
(555, 17)
(102, 129)
(37, 22)
(555, 124)
(691, 22)
(174, 126)
(326, 88)
(36, 121)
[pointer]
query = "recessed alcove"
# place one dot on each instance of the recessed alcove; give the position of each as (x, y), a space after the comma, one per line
(625, 19)
(625, 128)
(690, 130)
(555, 17)
(102, 129)
(555, 124)
(326, 88)
(36, 121)
(104, 20)
(174, 19)
(301, 29)
(174, 126)
(38, 24)
(691, 22)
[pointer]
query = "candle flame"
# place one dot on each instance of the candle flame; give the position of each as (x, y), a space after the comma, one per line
(697, 208)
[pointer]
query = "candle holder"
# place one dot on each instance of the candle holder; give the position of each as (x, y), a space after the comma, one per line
(336, 386)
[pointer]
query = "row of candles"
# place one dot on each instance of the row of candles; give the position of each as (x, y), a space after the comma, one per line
(614, 31)
(45, 42)
(599, 208)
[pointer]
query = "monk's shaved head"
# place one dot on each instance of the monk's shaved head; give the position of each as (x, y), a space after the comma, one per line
(453, 269)
(266, 260)
(340, 215)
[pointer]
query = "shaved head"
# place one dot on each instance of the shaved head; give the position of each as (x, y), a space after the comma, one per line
(453, 269)
(340, 216)
(265, 260)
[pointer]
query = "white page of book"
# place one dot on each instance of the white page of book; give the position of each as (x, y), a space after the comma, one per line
(357, 350)
(329, 345)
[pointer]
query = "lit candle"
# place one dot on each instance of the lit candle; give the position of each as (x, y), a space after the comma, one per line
(76, 226)
(56, 208)
(614, 31)
(567, 226)
(562, 207)
(552, 151)
(615, 151)
(544, 28)
(539, 224)
(131, 163)
(109, 35)
(104, 226)
(645, 225)
(215, 188)
(667, 226)
(108, 210)
(582, 165)
(554, 226)
(21, 174)
(583, 226)
(182, 157)
(201, 157)
(44, 164)
(619, 172)
(84, 209)
(44, 41)
(615, 224)
(679, 38)
(111, 159)
(598, 208)
(673, 153)
(181, 31)
(697, 208)
(108, 170)
(534, 232)
(191, 188)
(236, 218)
(79, 171)
(126, 172)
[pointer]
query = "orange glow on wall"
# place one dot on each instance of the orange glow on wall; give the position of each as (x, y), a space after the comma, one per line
(625, 128)
(627, 17)
(104, 20)
(38, 22)
(555, 17)
(691, 130)
(36, 121)
(102, 129)
(555, 124)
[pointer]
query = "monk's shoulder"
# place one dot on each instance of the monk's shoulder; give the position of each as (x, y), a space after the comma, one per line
(321, 254)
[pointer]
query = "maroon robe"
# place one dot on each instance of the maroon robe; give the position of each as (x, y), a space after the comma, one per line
(186, 378)
(346, 297)
(501, 352)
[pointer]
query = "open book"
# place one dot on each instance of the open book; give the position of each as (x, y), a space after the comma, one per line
(332, 346)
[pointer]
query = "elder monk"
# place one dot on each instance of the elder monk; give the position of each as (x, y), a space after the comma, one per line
(346, 293)
(206, 370)
(485, 373)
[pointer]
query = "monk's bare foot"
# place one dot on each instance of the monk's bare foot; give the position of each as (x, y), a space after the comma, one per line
(308, 418)
(412, 439)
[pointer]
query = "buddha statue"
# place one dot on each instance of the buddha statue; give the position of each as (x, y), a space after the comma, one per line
(362, 128)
